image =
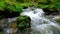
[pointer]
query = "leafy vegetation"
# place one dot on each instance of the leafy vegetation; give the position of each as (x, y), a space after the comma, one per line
(17, 5)
(41, 3)
(12, 6)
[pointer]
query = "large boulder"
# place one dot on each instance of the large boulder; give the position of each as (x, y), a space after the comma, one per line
(23, 22)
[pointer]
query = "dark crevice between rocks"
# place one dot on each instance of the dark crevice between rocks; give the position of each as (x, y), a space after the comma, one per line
(1, 30)
(8, 13)
(51, 11)
(25, 7)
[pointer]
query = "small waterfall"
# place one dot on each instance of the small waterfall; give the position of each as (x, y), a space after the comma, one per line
(40, 24)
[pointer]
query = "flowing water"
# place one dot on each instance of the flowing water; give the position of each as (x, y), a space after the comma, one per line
(41, 24)
(5, 25)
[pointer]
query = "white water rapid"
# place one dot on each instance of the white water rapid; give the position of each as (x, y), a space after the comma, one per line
(40, 24)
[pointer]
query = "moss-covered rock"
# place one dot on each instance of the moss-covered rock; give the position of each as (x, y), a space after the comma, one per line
(23, 22)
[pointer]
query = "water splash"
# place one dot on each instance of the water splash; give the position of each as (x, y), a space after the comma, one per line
(40, 24)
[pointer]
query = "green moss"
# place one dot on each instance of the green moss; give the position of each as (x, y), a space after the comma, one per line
(17, 5)
(2, 5)
(23, 22)
(12, 6)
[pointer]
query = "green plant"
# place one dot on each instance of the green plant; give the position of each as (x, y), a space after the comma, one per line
(2, 5)
(12, 6)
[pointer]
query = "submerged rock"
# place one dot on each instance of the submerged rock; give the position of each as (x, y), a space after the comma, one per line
(13, 26)
(57, 19)
(8, 25)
